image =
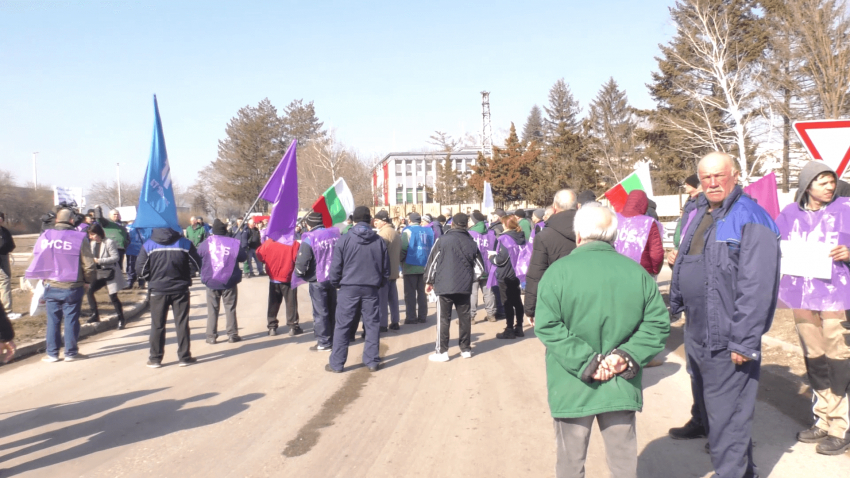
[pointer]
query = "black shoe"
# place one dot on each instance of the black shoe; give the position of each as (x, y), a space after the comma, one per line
(394, 327)
(187, 362)
(690, 431)
(121, 325)
(154, 364)
(833, 445)
(375, 368)
(812, 435)
(328, 368)
(273, 331)
(94, 319)
(234, 338)
(421, 321)
(410, 322)
(383, 329)
(320, 348)
(518, 331)
(211, 340)
(507, 334)
(295, 330)
(142, 284)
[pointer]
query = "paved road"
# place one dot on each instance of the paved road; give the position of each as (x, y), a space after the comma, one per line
(266, 407)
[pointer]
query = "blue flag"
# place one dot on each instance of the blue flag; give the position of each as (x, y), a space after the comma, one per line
(156, 202)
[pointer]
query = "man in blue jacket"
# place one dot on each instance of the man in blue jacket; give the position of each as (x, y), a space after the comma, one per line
(726, 279)
(360, 266)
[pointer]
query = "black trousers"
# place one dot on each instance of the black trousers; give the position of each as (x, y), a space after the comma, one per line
(414, 296)
(277, 293)
(444, 320)
(511, 296)
(159, 304)
(214, 299)
(116, 303)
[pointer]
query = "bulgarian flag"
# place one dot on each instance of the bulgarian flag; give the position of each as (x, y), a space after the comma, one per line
(638, 180)
(336, 204)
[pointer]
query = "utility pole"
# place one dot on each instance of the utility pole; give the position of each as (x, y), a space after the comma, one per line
(486, 129)
(34, 170)
(118, 174)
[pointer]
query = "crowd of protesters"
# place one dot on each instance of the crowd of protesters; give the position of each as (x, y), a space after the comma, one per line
(583, 276)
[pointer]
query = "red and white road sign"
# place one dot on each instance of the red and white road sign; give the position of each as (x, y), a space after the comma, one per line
(827, 140)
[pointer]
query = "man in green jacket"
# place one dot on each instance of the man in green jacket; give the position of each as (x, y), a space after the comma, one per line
(196, 232)
(115, 231)
(602, 319)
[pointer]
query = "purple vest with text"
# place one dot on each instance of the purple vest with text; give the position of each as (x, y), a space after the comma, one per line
(56, 256)
(220, 264)
(632, 234)
(514, 251)
(322, 241)
(830, 225)
(486, 242)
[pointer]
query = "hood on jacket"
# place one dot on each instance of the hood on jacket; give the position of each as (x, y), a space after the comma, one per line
(164, 235)
(562, 223)
(364, 233)
(636, 204)
(807, 176)
(519, 237)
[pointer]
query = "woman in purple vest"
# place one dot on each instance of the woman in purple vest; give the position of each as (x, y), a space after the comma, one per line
(106, 257)
(505, 259)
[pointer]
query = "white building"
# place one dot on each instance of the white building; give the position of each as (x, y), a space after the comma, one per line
(401, 178)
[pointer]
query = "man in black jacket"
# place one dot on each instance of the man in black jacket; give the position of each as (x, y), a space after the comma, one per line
(454, 263)
(7, 335)
(7, 245)
(552, 243)
(252, 234)
(164, 262)
(495, 223)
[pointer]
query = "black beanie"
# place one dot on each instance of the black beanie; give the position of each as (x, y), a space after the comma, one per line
(692, 181)
(314, 219)
(361, 214)
(219, 228)
(477, 217)
(586, 196)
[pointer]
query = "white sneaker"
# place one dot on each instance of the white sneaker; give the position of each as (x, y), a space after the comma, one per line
(466, 354)
(14, 316)
(443, 357)
(49, 359)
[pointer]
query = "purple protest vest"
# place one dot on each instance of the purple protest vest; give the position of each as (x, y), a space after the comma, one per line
(632, 234)
(83, 227)
(514, 251)
(220, 262)
(56, 256)
(486, 242)
(322, 241)
(534, 232)
(830, 225)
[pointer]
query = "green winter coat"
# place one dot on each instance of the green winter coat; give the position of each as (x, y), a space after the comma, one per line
(591, 302)
(116, 232)
(525, 225)
(197, 234)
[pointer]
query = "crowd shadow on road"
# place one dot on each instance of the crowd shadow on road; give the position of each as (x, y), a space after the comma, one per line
(63, 412)
(123, 427)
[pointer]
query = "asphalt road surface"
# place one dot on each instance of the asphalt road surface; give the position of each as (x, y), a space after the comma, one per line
(266, 407)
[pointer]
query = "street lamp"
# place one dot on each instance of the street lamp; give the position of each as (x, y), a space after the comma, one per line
(34, 170)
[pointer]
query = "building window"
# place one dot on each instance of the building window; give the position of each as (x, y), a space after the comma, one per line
(420, 168)
(410, 195)
(419, 197)
(399, 196)
(409, 168)
(398, 167)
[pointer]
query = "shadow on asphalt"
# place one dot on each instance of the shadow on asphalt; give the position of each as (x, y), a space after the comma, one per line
(64, 412)
(123, 427)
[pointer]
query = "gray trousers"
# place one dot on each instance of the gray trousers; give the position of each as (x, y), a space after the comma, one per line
(489, 298)
(388, 296)
(6, 283)
(572, 435)
(415, 297)
(214, 298)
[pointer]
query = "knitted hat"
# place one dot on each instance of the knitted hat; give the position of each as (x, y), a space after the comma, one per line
(477, 217)
(219, 228)
(499, 212)
(539, 213)
(361, 214)
(692, 181)
(314, 219)
(520, 213)
(428, 218)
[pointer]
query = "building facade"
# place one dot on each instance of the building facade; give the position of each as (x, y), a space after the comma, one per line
(405, 178)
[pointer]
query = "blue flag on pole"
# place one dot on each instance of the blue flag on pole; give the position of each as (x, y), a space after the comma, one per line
(156, 202)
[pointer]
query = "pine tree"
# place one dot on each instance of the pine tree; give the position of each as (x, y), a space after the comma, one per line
(565, 162)
(563, 108)
(612, 127)
(534, 126)
(300, 122)
(508, 171)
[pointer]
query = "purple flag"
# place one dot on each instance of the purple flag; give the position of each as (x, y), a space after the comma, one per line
(514, 251)
(764, 192)
(632, 234)
(830, 225)
(322, 241)
(486, 242)
(219, 260)
(56, 256)
(285, 211)
(272, 187)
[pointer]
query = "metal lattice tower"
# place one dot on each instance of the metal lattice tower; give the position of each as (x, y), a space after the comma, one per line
(486, 129)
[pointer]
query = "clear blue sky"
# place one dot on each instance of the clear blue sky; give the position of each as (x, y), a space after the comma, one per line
(77, 78)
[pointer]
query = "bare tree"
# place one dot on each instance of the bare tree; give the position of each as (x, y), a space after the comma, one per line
(106, 193)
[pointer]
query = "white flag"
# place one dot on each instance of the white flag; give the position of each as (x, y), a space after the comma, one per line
(488, 196)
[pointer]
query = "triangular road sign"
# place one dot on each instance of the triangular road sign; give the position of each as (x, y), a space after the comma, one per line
(827, 140)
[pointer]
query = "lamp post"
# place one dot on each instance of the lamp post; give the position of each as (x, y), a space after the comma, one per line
(118, 176)
(34, 170)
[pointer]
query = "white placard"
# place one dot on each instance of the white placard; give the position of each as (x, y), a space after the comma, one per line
(128, 213)
(806, 259)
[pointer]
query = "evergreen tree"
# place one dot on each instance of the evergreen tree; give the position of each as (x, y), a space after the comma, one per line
(612, 127)
(565, 162)
(563, 108)
(534, 127)
(300, 122)
(508, 171)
